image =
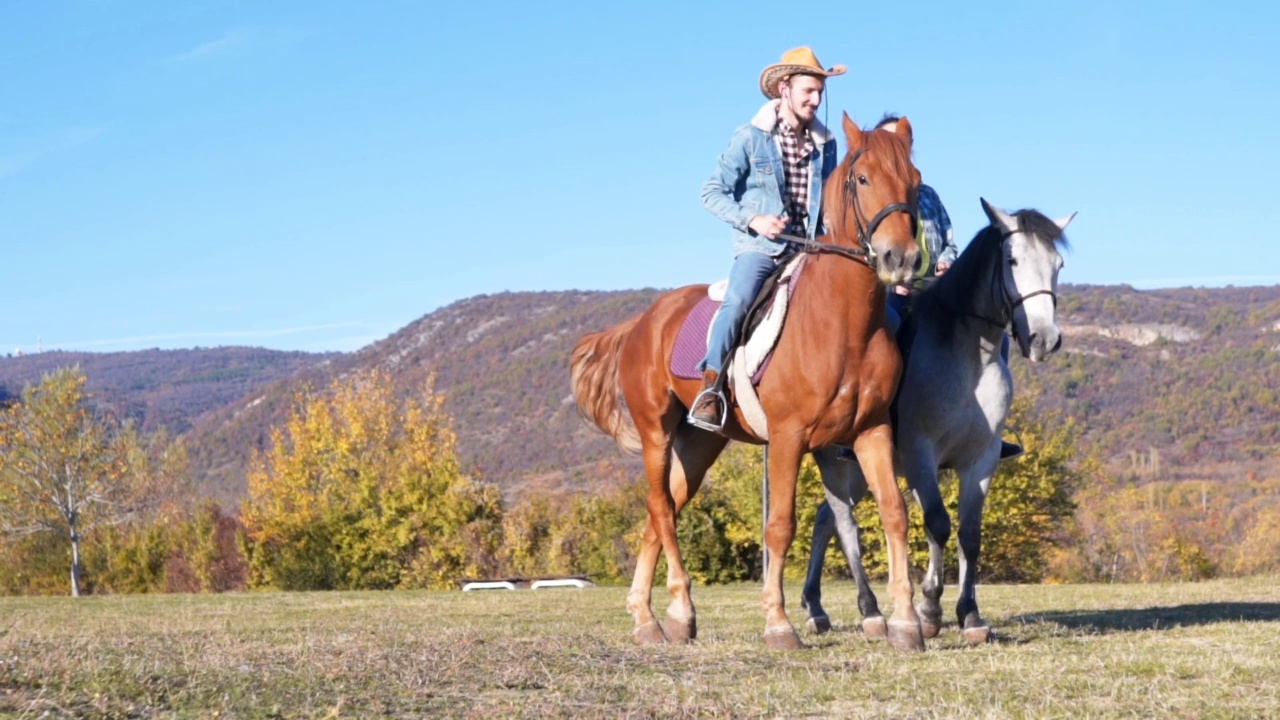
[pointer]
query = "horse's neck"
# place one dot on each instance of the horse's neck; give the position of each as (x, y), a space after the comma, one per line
(972, 329)
(854, 293)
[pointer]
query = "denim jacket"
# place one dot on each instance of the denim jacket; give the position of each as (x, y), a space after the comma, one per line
(748, 180)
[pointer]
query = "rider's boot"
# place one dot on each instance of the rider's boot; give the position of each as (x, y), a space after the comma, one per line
(708, 408)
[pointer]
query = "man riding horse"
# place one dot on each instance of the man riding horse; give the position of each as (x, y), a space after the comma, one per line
(783, 141)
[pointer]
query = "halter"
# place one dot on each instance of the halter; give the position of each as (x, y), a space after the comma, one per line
(866, 254)
(1009, 304)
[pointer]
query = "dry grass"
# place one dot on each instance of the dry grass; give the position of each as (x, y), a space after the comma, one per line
(1191, 650)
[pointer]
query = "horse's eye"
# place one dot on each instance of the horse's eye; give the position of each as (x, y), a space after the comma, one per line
(1013, 263)
(862, 179)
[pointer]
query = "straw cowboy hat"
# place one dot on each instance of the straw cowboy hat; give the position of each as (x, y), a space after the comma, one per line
(796, 61)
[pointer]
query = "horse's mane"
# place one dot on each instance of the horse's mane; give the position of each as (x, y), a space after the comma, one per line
(945, 303)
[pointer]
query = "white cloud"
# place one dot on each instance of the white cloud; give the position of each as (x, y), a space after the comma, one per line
(39, 148)
(213, 47)
(1206, 281)
(197, 337)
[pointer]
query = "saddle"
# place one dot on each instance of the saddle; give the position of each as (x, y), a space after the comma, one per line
(750, 356)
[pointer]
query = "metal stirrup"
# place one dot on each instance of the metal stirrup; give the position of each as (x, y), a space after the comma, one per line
(715, 391)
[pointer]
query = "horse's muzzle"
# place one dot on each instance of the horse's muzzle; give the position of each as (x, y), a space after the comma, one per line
(1041, 345)
(894, 265)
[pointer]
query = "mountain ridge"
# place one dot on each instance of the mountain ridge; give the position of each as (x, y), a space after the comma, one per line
(1191, 373)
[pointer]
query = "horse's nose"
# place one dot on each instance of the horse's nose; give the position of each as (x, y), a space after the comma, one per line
(1036, 342)
(1058, 345)
(896, 262)
(892, 259)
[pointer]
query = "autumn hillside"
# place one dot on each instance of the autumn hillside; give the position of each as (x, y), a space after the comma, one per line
(1180, 382)
(166, 389)
(1192, 373)
(502, 362)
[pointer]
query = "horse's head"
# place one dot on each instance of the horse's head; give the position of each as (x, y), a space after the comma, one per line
(1030, 276)
(871, 199)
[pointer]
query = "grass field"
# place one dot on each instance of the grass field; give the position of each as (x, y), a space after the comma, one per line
(1193, 650)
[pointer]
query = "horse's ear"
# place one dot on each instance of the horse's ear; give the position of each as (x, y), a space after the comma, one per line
(999, 217)
(902, 129)
(852, 133)
(1062, 223)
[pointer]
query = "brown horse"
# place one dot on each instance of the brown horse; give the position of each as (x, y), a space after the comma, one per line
(833, 374)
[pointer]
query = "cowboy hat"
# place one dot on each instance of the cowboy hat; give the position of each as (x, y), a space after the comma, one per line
(796, 61)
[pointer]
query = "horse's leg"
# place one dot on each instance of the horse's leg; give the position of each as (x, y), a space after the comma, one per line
(922, 476)
(845, 487)
(692, 453)
(780, 529)
(974, 484)
(647, 631)
(655, 438)
(874, 449)
(824, 528)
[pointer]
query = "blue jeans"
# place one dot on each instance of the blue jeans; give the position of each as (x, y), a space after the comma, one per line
(745, 278)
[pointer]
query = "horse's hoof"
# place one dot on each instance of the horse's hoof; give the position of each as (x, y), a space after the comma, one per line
(906, 635)
(679, 631)
(930, 620)
(784, 640)
(818, 625)
(875, 628)
(649, 633)
(977, 635)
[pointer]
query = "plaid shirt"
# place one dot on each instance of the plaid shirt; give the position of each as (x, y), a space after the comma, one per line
(795, 169)
(935, 229)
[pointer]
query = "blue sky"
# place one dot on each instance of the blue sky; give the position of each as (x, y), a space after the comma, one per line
(313, 175)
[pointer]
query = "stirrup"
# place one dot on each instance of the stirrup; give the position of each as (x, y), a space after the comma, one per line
(724, 411)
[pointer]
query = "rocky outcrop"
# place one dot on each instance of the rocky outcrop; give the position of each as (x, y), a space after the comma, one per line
(1139, 334)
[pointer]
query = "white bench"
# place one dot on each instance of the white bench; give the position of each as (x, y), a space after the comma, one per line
(568, 582)
(496, 585)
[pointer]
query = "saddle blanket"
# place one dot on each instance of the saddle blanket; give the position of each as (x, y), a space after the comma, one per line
(691, 340)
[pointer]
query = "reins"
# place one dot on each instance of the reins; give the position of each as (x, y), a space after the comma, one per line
(865, 254)
(814, 246)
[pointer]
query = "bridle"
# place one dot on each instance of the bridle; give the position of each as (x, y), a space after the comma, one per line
(866, 254)
(1006, 303)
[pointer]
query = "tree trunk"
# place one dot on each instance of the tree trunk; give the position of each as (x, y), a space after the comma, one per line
(75, 565)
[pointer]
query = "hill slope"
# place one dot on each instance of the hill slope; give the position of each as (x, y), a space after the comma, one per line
(162, 388)
(1192, 373)
(502, 363)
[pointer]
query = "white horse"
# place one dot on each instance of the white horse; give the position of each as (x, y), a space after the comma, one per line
(951, 407)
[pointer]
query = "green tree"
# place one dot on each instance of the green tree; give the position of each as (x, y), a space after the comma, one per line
(361, 489)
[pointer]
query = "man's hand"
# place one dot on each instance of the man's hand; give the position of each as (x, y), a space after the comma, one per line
(941, 268)
(768, 225)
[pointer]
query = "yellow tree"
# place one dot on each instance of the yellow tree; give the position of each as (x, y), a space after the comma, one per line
(362, 489)
(137, 555)
(60, 470)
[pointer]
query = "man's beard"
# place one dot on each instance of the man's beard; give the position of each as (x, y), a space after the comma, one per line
(799, 112)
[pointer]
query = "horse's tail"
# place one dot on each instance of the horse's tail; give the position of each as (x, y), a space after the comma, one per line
(593, 370)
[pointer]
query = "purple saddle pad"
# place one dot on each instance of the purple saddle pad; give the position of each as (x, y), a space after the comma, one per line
(691, 341)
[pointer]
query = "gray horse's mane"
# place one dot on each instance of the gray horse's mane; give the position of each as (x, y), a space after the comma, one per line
(951, 297)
